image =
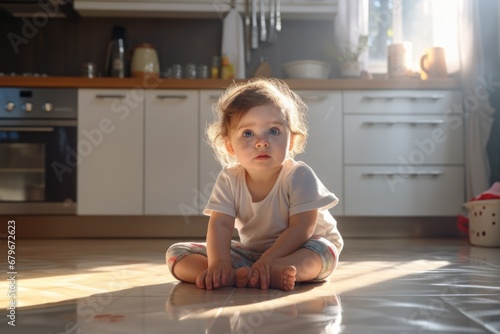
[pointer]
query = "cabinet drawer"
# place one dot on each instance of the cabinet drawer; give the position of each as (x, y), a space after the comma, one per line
(417, 140)
(403, 191)
(400, 101)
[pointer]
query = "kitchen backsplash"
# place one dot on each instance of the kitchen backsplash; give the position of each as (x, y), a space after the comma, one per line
(59, 47)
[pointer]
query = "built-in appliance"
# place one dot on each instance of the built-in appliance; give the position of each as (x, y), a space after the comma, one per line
(38, 159)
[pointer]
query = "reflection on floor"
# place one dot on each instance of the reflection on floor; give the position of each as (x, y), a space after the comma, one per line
(381, 286)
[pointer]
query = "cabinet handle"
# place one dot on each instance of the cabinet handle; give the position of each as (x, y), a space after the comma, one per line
(402, 97)
(111, 96)
(26, 129)
(413, 123)
(214, 97)
(164, 97)
(393, 173)
(313, 97)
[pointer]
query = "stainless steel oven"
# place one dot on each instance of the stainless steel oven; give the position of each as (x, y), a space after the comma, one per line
(38, 159)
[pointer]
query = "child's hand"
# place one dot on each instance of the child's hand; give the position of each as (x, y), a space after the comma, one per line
(216, 276)
(261, 271)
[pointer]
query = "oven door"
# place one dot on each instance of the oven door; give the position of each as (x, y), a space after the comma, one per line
(38, 167)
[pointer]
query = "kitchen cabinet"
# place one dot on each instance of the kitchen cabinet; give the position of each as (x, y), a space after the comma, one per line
(382, 152)
(209, 167)
(142, 152)
(403, 153)
(323, 152)
(110, 152)
(290, 9)
(171, 152)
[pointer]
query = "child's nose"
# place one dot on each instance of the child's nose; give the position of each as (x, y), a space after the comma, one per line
(262, 142)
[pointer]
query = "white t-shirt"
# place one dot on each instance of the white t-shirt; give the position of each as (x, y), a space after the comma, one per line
(296, 190)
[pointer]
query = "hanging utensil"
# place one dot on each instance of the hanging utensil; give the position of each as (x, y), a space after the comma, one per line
(263, 28)
(278, 15)
(272, 35)
(255, 28)
(248, 33)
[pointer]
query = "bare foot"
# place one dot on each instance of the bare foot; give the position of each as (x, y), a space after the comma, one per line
(283, 277)
(243, 275)
(201, 281)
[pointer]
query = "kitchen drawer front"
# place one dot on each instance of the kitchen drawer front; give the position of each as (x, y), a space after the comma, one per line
(401, 101)
(403, 191)
(402, 139)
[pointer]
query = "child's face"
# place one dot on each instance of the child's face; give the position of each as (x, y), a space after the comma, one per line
(261, 139)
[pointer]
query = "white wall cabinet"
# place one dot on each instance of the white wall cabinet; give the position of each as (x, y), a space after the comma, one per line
(290, 9)
(171, 152)
(110, 151)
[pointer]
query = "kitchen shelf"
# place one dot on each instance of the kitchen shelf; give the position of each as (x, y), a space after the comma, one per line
(317, 84)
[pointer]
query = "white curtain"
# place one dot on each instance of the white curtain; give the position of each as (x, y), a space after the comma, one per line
(478, 113)
(351, 21)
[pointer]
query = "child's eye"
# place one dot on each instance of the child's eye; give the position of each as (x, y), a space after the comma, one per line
(247, 133)
(274, 131)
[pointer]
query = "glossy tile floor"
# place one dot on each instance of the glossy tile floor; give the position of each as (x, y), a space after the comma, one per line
(381, 286)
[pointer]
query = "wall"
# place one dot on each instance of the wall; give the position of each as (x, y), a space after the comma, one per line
(59, 47)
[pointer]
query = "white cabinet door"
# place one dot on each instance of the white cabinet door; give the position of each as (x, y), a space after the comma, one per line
(209, 167)
(323, 152)
(110, 152)
(171, 152)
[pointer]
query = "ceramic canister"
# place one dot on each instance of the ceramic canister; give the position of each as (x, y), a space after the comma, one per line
(399, 59)
(144, 61)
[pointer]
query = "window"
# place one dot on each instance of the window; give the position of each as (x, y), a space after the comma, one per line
(424, 23)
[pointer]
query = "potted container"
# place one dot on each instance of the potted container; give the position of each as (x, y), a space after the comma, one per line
(484, 222)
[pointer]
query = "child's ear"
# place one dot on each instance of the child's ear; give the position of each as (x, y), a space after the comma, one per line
(292, 142)
(229, 147)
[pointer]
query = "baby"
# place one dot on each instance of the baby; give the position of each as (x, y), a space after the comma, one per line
(278, 205)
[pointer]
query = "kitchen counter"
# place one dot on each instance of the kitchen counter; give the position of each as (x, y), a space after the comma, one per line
(151, 83)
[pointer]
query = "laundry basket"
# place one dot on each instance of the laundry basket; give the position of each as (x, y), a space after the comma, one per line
(484, 222)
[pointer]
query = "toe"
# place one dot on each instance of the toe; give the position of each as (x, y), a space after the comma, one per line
(242, 277)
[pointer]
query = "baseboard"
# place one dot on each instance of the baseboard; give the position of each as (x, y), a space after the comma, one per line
(196, 226)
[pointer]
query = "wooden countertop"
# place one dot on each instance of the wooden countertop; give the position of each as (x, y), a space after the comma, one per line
(151, 83)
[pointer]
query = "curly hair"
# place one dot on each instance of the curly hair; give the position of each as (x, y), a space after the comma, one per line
(239, 98)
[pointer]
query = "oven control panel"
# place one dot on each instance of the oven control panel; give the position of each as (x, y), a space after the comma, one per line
(38, 103)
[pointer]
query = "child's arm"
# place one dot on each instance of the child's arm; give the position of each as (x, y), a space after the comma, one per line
(300, 229)
(219, 234)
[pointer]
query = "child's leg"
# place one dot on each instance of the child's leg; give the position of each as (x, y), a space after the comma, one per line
(188, 262)
(190, 267)
(307, 263)
(314, 261)
(301, 265)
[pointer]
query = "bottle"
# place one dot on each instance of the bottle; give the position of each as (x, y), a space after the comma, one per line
(115, 59)
(214, 70)
(227, 68)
